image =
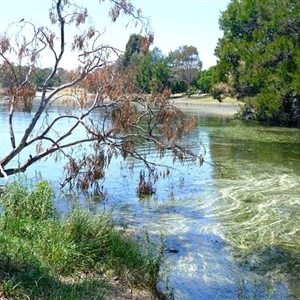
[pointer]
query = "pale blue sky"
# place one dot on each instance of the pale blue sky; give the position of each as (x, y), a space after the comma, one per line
(175, 23)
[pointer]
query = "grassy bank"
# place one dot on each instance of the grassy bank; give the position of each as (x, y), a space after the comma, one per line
(202, 99)
(43, 256)
(206, 104)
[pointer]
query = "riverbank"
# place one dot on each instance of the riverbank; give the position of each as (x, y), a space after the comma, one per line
(206, 104)
(80, 256)
(203, 103)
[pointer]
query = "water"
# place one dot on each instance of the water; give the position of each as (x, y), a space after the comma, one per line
(231, 227)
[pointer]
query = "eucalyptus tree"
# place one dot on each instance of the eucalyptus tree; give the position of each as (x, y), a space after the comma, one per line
(259, 58)
(187, 65)
(129, 117)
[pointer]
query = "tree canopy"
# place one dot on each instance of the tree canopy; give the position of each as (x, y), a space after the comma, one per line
(187, 64)
(129, 116)
(259, 58)
(136, 44)
(205, 80)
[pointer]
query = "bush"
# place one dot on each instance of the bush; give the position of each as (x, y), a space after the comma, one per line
(21, 201)
(43, 256)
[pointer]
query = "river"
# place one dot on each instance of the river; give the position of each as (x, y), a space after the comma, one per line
(231, 227)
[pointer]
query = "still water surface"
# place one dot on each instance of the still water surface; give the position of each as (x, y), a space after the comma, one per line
(211, 217)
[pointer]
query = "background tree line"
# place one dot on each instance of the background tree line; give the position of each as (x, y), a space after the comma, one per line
(259, 59)
(38, 78)
(154, 71)
(180, 70)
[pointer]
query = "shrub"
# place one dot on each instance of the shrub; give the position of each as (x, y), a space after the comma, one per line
(20, 201)
(45, 257)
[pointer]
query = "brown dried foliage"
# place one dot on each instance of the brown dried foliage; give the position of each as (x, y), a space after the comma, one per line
(127, 116)
(22, 96)
(123, 6)
(4, 44)
(88, 170)
(145, 187)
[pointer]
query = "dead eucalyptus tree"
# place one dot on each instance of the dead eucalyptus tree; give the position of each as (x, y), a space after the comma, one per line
(128, 117)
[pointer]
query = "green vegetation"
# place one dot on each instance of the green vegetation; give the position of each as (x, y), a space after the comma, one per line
(204, 81)
(39, 76)
(259, 59)
(43, 256)
(154, 72)
(187, 65)
(136, 44)
(263, 227)
(258, 199)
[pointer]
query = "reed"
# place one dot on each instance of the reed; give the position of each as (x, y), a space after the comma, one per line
(43, 256)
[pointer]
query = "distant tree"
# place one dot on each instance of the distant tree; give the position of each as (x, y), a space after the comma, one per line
(187, 65)
(61, 75)
(161, 77)
(152, 69)
(161, 70)
(176, 84)
(258, 58)
(178, 87)
(129, 117)
(133, 45)
(40, 75)
(136, 44)
(205, 81)
(144, 71)
(156, 55)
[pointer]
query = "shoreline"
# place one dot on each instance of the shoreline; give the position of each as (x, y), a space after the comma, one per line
(222, 108)
(208, 107)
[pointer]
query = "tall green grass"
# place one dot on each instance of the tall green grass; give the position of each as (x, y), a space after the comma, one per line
(43, 256)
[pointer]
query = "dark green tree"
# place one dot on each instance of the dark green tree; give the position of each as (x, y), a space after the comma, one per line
(205, 79)
(40, 76)
(136, 44)
(144, 71)
(162, 72)
(259, 58)
(153, 71)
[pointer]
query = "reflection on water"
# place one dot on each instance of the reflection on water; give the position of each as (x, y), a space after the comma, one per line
(212, 222)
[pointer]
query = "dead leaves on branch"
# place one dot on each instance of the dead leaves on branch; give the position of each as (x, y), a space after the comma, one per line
(61, 12)
(22, 97)
(20, 90)
(124, 7)
(145, 186)
(172, 124)
(87, 171)
(126, 118)
(4, 44)
(131, 122)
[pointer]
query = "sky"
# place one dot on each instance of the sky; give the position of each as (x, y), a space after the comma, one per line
(175, 23)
